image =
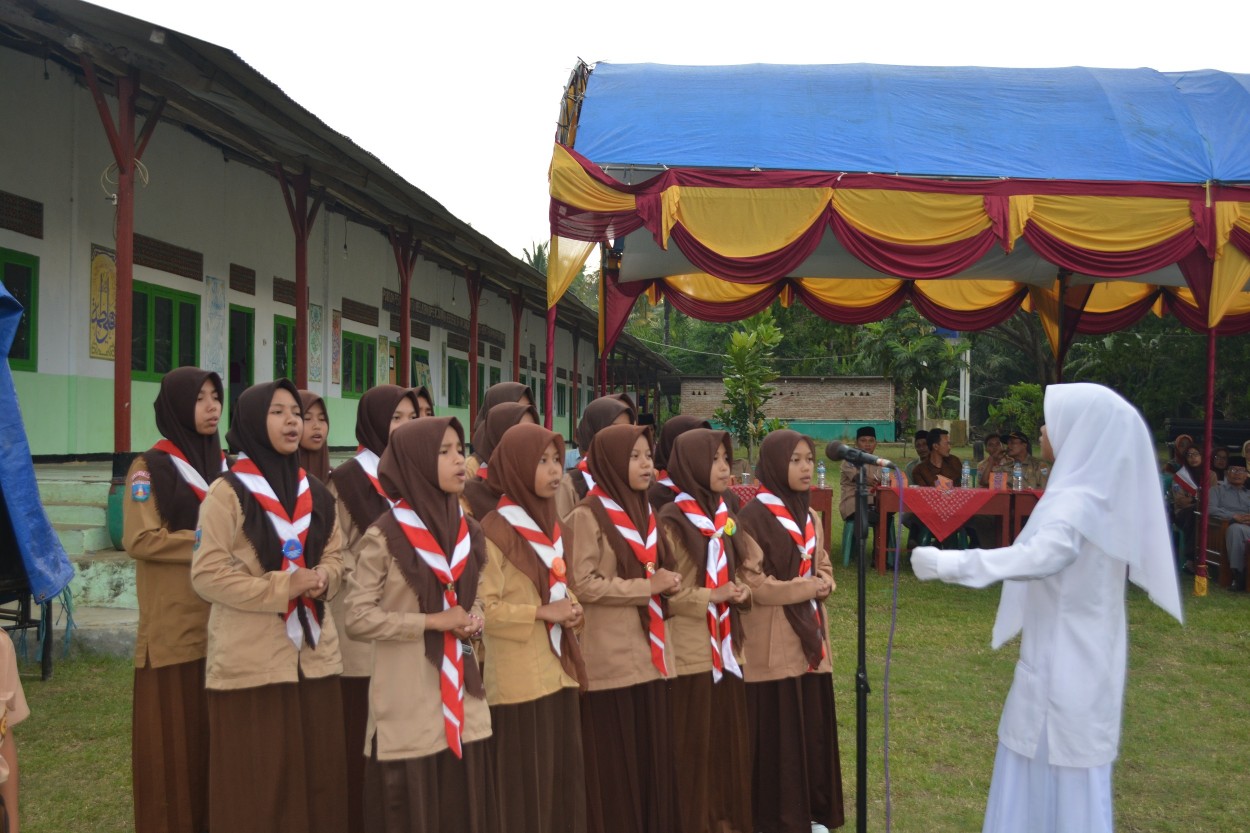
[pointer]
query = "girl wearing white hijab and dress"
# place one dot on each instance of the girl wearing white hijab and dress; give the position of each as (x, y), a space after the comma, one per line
(1100, 519)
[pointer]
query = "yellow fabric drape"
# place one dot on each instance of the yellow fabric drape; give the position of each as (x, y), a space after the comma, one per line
(851, 292)
(565, 259)
(915, 218)
(744, 222)
(1108, 224)
(570, 184)
(704, 287)
(967, 295)
(1232, 267)
(1110, 296)
(1044, 300)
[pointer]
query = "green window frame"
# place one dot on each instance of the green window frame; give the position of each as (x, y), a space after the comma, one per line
(360, 364)
(496, 374)
(562, 400)
(165, 331)
(19, 272)
(457, 382)
(283, 347)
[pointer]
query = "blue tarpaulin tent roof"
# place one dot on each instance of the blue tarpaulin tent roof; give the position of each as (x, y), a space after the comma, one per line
(1076, 123)
(47, 566)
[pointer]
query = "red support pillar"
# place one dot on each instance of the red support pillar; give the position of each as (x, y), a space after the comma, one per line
(518, 307)
(295, 193)
(1204, 493)
(549, 384)
(406, 250)
(473, 281)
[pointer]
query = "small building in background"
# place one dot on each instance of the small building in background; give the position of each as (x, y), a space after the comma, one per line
(823, 407)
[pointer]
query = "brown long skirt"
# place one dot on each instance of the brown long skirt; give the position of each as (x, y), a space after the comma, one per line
(434, 794)
(355, 722)
(627, 735)
(169, 749)
(794, 744)
(538, 763)
(713, 754)
(276, 759)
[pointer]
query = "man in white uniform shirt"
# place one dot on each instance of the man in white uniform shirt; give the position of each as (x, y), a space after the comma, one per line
(1101, 519)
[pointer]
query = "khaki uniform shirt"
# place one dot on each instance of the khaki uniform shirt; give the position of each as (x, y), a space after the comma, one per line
(357, 655)
(247, 642)
(173, 619)
(849, 475)
(405, 699)
(1031, 467)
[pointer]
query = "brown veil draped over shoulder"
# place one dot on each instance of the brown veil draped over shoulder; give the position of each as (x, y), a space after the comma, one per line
(478, 491)
(316, 463)
(781, 554)
(512, 468)
(409, 470)
(674, 427)
(373, 428)
(175, 419)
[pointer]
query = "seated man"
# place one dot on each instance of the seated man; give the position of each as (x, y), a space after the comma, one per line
(941, 463)
(1230, 501)
(921, 443)
(995, 455)
(866, 441)
(1020, 450)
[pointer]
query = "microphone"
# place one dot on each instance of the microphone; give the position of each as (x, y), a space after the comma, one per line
(840, 451)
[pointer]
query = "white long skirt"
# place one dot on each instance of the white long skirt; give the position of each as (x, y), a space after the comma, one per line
(1030, 795)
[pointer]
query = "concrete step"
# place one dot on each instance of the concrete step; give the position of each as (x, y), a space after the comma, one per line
(76, 514)
(77, 492)
(80, 539)
(104, 579)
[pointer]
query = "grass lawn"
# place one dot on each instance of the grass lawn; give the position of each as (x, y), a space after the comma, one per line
(1186, 726)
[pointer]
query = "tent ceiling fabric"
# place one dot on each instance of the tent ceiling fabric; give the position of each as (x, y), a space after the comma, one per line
(804, 180)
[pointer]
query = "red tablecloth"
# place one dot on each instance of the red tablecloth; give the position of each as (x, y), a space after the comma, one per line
(945, 512)
(744, 493)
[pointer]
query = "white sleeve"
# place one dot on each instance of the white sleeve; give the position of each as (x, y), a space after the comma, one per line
(1054, 547)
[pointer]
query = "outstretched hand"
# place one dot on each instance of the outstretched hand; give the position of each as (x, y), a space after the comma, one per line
(924, 562)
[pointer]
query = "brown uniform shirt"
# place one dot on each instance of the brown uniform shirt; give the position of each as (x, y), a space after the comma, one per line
(926, 474)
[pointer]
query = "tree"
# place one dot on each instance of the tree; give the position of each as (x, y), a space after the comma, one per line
(909, 350)
(1020, 409)
(748, 370)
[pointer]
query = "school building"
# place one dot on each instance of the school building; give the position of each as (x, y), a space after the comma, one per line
(163, 204)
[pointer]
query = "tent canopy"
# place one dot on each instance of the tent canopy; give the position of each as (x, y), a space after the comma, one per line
(970, 192)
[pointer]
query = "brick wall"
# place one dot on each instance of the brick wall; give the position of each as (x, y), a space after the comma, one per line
(846, 399)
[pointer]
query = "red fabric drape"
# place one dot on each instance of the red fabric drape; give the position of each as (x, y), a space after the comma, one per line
(734, 311)
(852, 315)
(976, 319)
(911, 261)
(1109, 264)
(760, 269)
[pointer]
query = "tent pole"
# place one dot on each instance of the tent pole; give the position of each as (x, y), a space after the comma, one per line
(549, 379)
(1204, 494)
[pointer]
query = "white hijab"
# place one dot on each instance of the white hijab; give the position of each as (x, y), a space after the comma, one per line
(1104, 484)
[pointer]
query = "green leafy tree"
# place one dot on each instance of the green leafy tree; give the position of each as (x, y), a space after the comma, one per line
(1020, 409)
(748, 371)
(908, 349)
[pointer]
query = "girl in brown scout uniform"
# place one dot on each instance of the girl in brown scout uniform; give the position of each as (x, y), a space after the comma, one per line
(267, 556)
(622, 575)
(662, 490)
(496, 394)
(534, 663)
(719, 567)
(414, 594)
(789, 677)
(480, 498)
(614, 409)
(314, 444)
(359, 500)
(169, 735)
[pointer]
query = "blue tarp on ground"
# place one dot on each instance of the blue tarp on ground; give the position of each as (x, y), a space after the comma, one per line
(47, 566)
(1076, 123)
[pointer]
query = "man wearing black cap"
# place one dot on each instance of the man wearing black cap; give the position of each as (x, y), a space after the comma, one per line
(865, 441)
(1230, 501)
(1020, 450)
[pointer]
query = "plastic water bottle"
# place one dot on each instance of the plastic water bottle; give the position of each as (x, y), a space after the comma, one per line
(1017, 477)
(965, 479)
(820, 474)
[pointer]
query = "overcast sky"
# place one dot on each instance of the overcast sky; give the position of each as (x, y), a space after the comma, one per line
(461, 98)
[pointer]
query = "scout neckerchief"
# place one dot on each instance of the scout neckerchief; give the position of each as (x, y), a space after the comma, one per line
(189, 475)
(549, 552)
(585, 470)
(646, 553)
(481, 470)
(805, 541)
(368, 461)
(1186, 481)
(716, 575)
(292, 530)
(451, 680)
(663, 479)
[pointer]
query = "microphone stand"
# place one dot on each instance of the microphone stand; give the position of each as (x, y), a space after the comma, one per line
(861, 670)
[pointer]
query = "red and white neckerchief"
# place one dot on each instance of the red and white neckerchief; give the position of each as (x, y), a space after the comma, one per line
(549, 552)
(805, 541)
(663, 479)
(646, 552)
(585, 470)
(1186, 481)
(292, 530)
(481, 471)
(369, 464)
(716, 575)
(448, 571)
(189, 475)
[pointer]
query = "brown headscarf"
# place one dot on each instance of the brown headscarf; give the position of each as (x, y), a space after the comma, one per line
(249, 434)
(497, 394)
(609, 466)
(659, 494)
(512, 468)
(481, 496)
(316, 463)
(373, 426)
(601, 413)
(781, 555)
(690, 466)
(422, 392)
(175, 419)
(409, 470)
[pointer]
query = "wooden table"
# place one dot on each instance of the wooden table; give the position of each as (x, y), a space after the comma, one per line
(1011, 509)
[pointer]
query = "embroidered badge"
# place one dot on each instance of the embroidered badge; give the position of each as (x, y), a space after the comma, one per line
(140, 490)
(196, 545)
(292, 549)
